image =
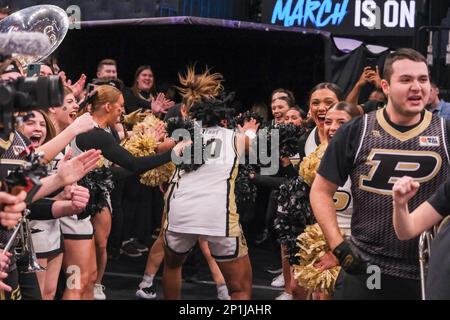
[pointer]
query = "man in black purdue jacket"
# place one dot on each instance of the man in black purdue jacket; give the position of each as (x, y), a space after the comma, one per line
(376, 150)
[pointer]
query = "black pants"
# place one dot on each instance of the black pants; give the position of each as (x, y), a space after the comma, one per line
(355, 287)
(142, 210)
(25, 286)
(13, 281)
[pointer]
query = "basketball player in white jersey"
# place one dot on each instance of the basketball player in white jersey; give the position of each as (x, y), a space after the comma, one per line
(201, 203)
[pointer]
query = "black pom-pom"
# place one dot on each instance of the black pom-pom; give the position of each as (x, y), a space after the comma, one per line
(100, 185)
(245, 191)
(289, 138)
(197, 147)
(293, 216)
(245, 117)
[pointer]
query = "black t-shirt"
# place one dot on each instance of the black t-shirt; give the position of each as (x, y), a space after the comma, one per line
(440, 201)
(132, 103)
(337, 163)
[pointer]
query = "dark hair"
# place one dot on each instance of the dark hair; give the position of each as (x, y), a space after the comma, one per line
(139, 70)
(109, 81)
(288, 100)
(106, 62)
(301, 112)
(349, 108)
(289, 93)
(400, 54)
(327, 85)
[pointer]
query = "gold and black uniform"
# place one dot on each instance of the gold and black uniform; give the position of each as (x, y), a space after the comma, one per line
(375, 152)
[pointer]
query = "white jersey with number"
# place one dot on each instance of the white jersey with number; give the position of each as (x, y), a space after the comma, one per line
(203, 201)
(343, 199)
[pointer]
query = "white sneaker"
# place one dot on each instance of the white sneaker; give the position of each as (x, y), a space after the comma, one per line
(147, 293)
(222, 293)
(98, 292)
(278, 281)
(284, 296)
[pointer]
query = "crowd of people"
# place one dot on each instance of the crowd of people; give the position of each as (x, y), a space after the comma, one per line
(115, 185)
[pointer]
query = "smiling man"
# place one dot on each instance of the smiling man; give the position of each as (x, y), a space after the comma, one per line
(376, 150)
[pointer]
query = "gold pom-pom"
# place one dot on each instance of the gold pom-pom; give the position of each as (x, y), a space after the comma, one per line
(159, 175)
(133, 117)
(311, 163)
(312, 246)
(140, 145)
(147, 126)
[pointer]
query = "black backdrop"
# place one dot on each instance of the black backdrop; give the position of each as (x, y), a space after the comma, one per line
(253, 62)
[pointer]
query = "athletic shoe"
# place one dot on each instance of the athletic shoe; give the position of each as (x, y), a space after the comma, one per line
(222, 293)
(147, 293)
(98, 292)
(139, 246)
(284, 296)
(278, 281)
(130, 250)
(275, 270)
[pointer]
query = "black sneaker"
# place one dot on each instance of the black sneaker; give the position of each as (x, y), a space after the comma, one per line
(130, 250)
(275, 270)
(147, 293)
(139, 246)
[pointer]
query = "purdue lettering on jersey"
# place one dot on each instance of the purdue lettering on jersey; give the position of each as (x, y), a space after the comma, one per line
(342, 200)
(384, 155)
(390, 165)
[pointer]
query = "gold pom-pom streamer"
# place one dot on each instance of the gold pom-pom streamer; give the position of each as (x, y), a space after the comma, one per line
(311, 163)
(158, 175)
(133, 118)
(140, 145)
(312, 246)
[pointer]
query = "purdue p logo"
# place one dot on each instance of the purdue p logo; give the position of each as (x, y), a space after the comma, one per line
(390, 165)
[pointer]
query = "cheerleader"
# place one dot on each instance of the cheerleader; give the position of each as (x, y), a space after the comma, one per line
(47, 240)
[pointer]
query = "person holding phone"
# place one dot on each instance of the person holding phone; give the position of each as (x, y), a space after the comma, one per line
(369, 76)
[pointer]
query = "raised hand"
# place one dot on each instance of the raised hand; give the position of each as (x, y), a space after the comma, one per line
(160, 132)
(404, 189)
(83, 123)
(373, 76)
(161, 104)
(251, 125)
(78, 86)
(179, 148)
(72, 170)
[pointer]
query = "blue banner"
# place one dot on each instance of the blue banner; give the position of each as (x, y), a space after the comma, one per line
(345, 17)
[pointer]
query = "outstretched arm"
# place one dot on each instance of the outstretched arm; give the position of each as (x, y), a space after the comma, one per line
(57, 144)
(69, 171)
